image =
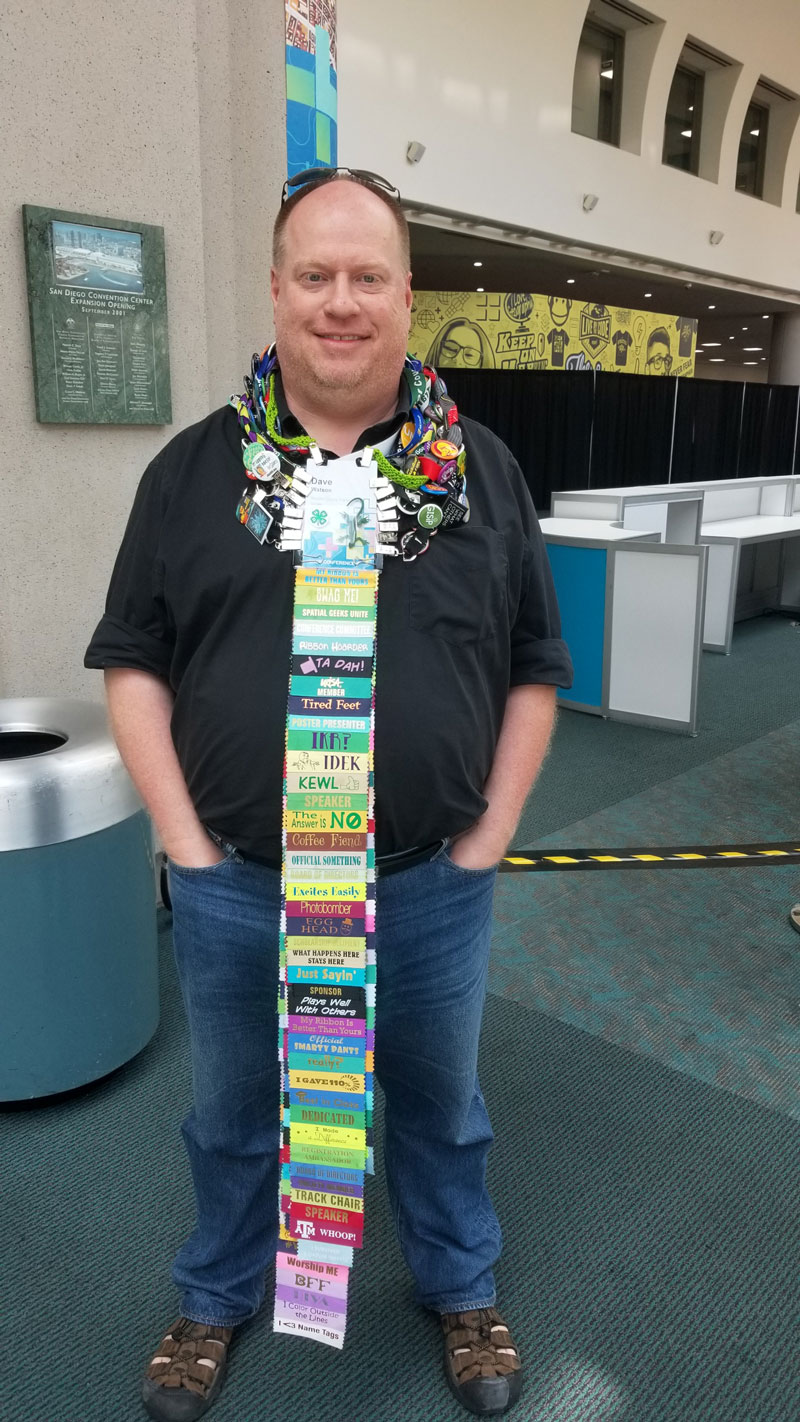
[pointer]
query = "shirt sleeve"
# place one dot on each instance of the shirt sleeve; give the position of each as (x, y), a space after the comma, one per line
(538, 653)
(135, 630)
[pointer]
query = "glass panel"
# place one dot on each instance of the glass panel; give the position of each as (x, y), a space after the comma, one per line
(752, 151)
(682, 121)
(598, 85)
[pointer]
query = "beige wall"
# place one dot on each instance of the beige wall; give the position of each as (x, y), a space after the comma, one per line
(167, 114)
(496, 114)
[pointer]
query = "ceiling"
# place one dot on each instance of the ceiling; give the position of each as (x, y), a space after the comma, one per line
(444, 260)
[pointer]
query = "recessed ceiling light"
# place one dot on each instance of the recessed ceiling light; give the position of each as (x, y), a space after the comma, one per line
(765, 318)
(686, 133)
(763, 357)
(477, 264)
(712, 308)
(754, 348)
(570, 281)
(608, 72)
(480, 288)
(717, 360)
(754, 132)
(744, 328)
(749, 362)
(714, 343)
(647, 295)
(731, 338)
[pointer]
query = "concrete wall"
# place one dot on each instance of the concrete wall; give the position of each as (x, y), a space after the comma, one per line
(173, 115)
(488, 89)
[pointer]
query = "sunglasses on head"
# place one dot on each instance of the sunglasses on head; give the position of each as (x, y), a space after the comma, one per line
(315, 176)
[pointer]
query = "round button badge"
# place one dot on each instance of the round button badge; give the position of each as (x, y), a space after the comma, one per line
(443, 449)
(260, 462)
(429, 516)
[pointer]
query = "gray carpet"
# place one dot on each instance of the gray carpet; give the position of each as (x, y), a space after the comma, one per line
(699, 969)
(651, 1246)
(595, 763)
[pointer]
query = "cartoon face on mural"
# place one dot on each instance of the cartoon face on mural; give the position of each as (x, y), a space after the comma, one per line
(560, 308)
(461, 344)
(659, 353)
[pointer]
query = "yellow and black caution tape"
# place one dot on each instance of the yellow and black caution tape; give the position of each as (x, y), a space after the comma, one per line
(701, 856)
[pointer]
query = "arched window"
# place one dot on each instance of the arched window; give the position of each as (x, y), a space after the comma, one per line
(752, 158)
(597, 86)
(683, 120)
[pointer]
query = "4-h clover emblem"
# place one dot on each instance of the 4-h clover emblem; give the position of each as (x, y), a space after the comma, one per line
(319, 516)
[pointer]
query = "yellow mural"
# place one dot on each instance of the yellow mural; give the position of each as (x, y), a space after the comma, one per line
(517, 330)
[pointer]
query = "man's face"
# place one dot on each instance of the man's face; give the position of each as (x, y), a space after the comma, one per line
(341, 294)
(659, 359)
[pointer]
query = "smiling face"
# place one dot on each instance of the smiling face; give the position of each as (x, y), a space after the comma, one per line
(559, 309)
(342, 298)
(659, 358)
(461, 347)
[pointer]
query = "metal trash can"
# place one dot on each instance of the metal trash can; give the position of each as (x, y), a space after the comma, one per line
(78, 939)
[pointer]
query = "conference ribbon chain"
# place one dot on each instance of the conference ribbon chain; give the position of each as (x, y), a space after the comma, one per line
(327, 952)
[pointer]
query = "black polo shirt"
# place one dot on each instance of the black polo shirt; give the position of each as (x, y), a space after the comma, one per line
(194, 599)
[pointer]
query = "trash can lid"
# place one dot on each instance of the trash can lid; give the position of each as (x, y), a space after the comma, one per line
(64, 777)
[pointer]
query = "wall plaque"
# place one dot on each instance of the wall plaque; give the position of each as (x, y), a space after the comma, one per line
(97, 298)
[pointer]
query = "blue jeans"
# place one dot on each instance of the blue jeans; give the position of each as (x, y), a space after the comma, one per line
(433, 932)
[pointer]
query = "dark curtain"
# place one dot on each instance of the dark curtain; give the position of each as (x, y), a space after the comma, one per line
(755, 419)
(777, 445)
(707, 424)
(632, 429)
(551, 419)
(544, 416)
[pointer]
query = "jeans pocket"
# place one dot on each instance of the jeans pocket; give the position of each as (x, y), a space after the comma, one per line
(184, 869)
(444, 858)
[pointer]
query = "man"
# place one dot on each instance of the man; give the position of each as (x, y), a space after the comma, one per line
(196, 647)
(659, 353)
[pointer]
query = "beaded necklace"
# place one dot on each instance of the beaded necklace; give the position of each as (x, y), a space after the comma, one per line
(339, 528)
(424, 481)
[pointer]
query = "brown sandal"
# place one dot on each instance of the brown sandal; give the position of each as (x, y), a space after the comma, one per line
(481, 1363)
(186, 1374)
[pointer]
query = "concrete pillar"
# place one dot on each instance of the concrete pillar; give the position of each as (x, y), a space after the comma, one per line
(173, 115)
(242, 155)
(784, 360)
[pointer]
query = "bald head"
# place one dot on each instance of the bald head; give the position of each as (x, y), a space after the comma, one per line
(305, 194)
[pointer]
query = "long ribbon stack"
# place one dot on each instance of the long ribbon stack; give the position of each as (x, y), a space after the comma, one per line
(327, 992)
